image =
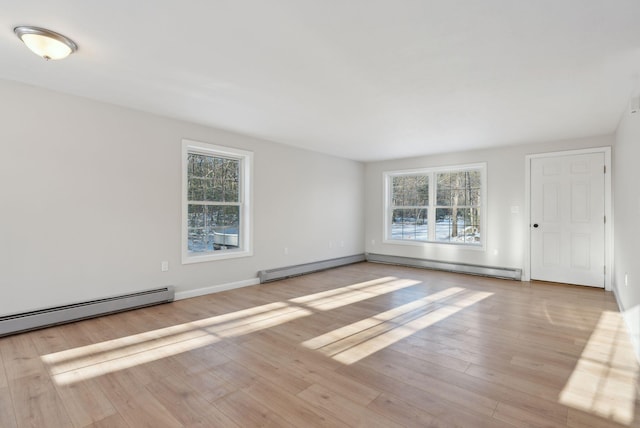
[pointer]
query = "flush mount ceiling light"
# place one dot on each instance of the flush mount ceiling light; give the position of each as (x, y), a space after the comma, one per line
(46, 43)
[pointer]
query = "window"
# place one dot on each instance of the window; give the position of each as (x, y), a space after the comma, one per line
(216, 195)
(441, 205)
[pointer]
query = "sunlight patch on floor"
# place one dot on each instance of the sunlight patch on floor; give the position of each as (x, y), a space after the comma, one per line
(605, 378)
(339, 297)
(335, 292)
(127, 346)
(259, 322)
(358, 340)
(347, 331)
(104, 365)
(94, 360)
(346, 344)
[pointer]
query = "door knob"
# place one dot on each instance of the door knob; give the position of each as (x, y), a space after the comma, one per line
(535, 225)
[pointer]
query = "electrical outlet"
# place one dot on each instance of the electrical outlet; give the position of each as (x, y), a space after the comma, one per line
(164, 266)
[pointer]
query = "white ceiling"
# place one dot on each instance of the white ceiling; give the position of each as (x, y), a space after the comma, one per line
(360, 79)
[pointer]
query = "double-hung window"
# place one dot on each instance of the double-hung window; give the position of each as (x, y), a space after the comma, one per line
(216, 195)
(440, 205)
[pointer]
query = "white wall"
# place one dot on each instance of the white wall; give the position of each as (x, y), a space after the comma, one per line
(90, 202)
(506, 188)
(626, 176)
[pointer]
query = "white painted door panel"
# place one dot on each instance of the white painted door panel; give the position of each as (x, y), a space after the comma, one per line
(567, 219)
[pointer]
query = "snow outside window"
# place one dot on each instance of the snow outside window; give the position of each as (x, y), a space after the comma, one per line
(436, 205)
(216, 212)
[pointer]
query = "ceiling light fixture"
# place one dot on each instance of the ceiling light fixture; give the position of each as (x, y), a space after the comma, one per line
(46, 43)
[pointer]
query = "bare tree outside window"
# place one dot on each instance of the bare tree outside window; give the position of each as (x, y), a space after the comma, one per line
(438, 205)
(457, 206)
(411, 207)
(213, 194)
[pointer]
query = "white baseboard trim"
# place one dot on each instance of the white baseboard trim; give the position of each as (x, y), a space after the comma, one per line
(630, 322)
(216, 288)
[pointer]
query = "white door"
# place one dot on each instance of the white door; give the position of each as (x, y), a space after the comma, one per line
(568, 219)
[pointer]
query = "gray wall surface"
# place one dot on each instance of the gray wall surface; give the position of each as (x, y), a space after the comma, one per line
(90, 198)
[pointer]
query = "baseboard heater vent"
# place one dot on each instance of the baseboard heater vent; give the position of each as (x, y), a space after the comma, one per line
(290, 271)
(33, 320)
(496, 272)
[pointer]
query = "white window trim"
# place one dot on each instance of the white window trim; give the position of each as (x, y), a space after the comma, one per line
(246, 196)
(386, 231)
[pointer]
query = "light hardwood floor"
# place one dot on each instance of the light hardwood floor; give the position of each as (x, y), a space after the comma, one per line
(366, 345)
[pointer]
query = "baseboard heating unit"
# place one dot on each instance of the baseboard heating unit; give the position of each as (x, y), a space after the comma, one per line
(496, 272)
(26, 321)
(297, 270)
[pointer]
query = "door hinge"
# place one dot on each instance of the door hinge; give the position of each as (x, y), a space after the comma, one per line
(605, 219)
(605, 169)
(604, 269)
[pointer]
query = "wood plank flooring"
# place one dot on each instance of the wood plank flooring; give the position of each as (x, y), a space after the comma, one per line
(366, 345)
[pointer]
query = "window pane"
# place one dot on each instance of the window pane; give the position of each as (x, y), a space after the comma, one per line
(473, 197)
(412, 190)
(472, 226)
(443, 224)
(466, 228)
(471, 185)
(443, 196)
(443, 189)
(213, 227)
(461, 188)
(213, 179)
(410, 224)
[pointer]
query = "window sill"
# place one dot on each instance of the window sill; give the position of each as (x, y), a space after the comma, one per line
(462, 246)
(210, 257)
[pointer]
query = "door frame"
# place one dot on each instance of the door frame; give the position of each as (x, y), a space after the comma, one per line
(608, 227)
